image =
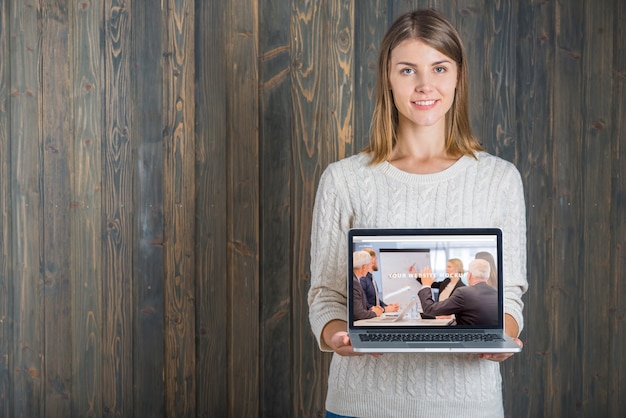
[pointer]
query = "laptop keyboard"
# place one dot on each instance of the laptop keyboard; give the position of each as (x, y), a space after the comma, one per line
(431, 337)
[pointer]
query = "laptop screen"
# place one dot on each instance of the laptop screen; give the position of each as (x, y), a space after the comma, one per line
(403, 256)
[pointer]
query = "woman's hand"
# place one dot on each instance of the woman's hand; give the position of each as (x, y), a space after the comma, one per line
(499, 357)
(337, 339)
(340, 343)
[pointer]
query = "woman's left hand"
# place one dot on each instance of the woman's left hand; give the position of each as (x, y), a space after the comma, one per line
(499, 357)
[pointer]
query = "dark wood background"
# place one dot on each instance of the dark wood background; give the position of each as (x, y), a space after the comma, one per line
(158, 165)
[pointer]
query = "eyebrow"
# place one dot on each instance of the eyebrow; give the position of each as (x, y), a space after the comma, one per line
(410, 64)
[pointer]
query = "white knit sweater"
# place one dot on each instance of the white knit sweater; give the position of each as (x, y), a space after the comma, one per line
(482, 192)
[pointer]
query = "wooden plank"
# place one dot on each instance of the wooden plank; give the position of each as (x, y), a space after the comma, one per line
(340, 80)
(371, 22)
(471, 21)
(596, 202)
(275, 211)
(211, 211)
(6, 284)
(57, 156)
(86, 209)
(499, 71)
(400, 7)
(179, 209)
(617, 255)
(243, 206)
(26, 210)
(308, 92)
(118, 196)
(566, 288)
(146, 131)
(524, 393)
(337, 140)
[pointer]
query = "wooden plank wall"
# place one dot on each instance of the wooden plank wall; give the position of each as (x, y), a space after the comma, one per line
(158, 165)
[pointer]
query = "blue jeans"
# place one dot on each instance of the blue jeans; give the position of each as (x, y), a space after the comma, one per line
(331, 415)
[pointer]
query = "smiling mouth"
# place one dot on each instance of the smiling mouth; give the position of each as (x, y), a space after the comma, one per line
(425, 102)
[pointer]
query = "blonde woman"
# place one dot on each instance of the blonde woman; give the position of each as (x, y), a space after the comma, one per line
(422, 168)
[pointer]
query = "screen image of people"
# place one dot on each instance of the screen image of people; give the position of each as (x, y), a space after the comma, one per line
(435, 279)
(475, 304)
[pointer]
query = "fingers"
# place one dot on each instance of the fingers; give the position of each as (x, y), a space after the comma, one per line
(500, 357)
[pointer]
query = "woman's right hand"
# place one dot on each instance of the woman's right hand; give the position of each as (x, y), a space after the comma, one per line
(336, 337)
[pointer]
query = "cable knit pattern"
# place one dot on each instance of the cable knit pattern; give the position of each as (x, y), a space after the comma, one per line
(482, 192)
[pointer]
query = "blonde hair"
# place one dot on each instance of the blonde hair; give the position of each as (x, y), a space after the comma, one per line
(371, 251)
(458, 265)
(433, 29)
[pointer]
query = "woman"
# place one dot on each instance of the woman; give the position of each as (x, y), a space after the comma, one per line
(454, 271)
(421, 163)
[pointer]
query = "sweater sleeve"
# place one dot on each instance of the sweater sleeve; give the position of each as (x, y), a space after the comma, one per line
(331, 221)
(514, 245)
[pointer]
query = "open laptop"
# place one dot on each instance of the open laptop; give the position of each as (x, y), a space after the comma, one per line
(402, 256)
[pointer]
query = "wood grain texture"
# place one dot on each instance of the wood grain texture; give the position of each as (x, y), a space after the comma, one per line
(276, 302)
(6, 281)
(500, 49)
(57, 157)
(534, 62)
(308, 95)
(596, 200)
(212, 215)
(85, 208)
(26, 210)
(158, 168)
(148, 270)
(340, 80)
(179, 209)
(616, 402)
(566, 282)
(118, 197)
(243, 206)
(371, 21)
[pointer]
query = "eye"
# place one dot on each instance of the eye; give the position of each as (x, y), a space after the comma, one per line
(407, 71)
(440, 69)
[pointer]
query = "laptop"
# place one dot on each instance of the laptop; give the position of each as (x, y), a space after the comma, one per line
(403, 256)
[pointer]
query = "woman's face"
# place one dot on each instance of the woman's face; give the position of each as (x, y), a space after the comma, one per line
(451, 270)
(423, 83)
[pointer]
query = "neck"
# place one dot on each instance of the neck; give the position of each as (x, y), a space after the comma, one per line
(421, 150)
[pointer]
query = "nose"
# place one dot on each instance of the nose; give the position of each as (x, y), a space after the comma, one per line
(423, 82)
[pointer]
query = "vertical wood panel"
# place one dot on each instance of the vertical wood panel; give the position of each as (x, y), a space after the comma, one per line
(6, 278)
(470, 19)
(307, 117)
(499, 111)
(147, 134)
(371, 21)
(400, 7)
(340, 80)
(56, 224)
(26, 208)
(243, 206)
(87, 91)
(530, 370)
(568, 341)
(275, 210)
(596, 200)
(118, 211)
(617, 308)
(212, 215)
(179, 209)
